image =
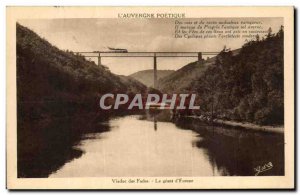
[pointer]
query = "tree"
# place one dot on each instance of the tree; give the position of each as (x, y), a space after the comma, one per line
(269, 33)
(257, 37)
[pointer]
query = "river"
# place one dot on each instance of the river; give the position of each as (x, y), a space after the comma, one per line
(139, 145)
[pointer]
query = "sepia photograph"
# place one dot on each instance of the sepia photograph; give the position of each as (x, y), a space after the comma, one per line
(150, 99)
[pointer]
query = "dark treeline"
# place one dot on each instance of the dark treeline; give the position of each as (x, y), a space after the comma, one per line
(247, 86)
(57, 101)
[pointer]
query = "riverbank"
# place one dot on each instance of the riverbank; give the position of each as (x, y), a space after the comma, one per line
(244, 125)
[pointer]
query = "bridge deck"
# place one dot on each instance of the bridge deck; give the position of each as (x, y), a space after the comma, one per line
(145, 54)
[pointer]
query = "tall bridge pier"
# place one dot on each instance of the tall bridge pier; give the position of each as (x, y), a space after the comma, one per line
(155, 71)
(99, 59)
(199, 57)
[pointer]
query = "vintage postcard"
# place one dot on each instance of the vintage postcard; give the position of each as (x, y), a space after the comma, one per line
(150, 98)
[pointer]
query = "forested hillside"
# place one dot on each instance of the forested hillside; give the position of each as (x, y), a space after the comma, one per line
(247, 86)
(180, 80)
(56, 82)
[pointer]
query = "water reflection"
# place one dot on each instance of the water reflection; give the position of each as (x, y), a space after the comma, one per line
(238, 152)
(133, 148)
(143, 145)
(155, 123)
(150, 145)
(46, 145)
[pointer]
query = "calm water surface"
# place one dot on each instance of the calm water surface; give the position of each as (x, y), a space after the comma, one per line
(135, 146)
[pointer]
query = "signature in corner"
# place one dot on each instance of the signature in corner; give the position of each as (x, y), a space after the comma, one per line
(265, 167)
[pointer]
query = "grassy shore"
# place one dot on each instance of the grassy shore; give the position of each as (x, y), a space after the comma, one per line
(245, 125)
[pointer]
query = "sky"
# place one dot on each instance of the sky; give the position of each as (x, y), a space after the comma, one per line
(134, 35)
